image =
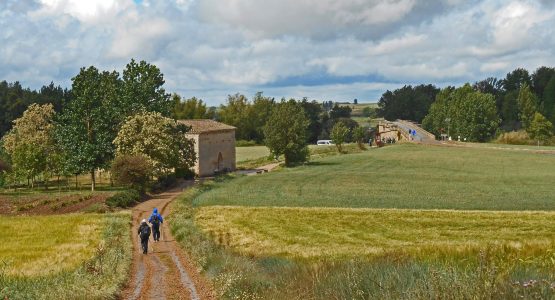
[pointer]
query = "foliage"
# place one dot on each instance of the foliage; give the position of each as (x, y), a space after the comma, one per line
(340, 111)
(142, 89)
(360, 136)
(516, 79)
(248, 117)
(465, 112)
(132, 170)
(407, 103)
(161, 140)
(90, 122)
(540, 128)
(14, 100)
(549, 100)
(527, 105)
(285, 132)
(540, 79)
(520, 137)
(313, 111)
(192, 108)
(97, 271)
(30, 142)
(123, 199)
(339, 134)
(164, 182)
(369, 112)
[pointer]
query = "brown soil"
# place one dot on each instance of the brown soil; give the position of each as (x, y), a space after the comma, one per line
(166, 272)
(39, 205)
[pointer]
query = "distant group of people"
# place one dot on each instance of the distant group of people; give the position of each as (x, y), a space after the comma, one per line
(144, 231)
(389, 140)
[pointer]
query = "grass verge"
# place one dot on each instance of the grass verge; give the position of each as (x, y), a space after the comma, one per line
(89, 261)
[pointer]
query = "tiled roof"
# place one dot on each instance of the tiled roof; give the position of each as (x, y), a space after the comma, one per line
(205, 125)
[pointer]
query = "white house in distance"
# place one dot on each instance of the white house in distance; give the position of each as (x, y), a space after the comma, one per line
(214, 146)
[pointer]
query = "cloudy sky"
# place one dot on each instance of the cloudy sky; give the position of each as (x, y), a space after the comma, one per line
(321, 49)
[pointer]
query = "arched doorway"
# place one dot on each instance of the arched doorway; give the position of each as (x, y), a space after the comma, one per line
(220, 162)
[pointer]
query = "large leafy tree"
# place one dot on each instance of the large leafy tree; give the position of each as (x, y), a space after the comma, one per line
(285, 132)
(237, 112)
(192, 108)
(160, 139)
(260, 112)
(540, 78)
(468, 113)
(540, 129)
(90, 122)
(409, 103)
(527, 105)
(30, 142)
(549, 100)
(313, 111)
(338, 135)
(142, 89)
(516, 79)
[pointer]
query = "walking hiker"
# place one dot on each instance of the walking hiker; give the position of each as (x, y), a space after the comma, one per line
(144, 235)
(156, 219)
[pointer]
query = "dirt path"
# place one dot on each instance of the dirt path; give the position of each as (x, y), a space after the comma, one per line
(165, 272)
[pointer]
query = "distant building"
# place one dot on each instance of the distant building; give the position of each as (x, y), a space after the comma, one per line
(214, 146)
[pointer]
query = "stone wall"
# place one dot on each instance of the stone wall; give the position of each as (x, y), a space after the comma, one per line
(215, 152)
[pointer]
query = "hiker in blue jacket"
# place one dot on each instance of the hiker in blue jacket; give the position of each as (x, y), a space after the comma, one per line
(156, 219)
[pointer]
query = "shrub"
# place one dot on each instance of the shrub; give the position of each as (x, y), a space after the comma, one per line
(514, 138)
(244, 143)
(123, 199)
(185, 173)
(132, 170)
(164, 182)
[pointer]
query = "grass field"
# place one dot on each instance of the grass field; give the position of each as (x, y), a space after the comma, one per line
(344, 232)
(243, 154)
(74, 256)
(403, 176)
(34, 246)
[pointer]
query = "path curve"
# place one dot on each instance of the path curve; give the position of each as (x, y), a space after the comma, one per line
(166, 272)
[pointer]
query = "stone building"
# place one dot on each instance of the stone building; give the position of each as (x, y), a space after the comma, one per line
(214, 146)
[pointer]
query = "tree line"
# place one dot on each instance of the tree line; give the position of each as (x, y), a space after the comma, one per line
(108, 115)
(481, 111)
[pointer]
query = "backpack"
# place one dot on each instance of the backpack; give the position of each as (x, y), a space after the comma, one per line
(155, 220)
(145, 232)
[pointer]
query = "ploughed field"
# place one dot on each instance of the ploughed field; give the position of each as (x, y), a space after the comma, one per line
(405, 221)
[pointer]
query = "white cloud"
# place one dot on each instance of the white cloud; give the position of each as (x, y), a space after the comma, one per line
(320, 49)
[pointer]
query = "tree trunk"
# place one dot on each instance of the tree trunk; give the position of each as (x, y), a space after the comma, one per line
(93, 182)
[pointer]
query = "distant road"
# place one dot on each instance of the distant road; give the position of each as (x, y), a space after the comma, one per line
(421, 135)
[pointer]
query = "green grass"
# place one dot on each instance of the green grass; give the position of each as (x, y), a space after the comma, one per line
(78, 256)
(345, 232)
(243, 154)
(403, 176)
(490, 271)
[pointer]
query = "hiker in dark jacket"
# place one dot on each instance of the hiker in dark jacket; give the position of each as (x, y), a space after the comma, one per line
(144, 235)
(156, 219)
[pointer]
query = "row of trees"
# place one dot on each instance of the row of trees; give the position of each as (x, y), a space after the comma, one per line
(480, 111)
(108, 115)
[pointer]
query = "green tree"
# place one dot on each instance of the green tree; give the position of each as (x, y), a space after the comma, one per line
(526, 105)
(90, 122)
(237, 112)
(549, 100)
(192, 108)
(161, 140)
(541, 129)
(338, 135)
(359, 135)
(285, 132)
(30, 141)
(509, 110)
(408, 103)
(142, 89)
(468, 113)
(313, 111)
(540, 78)
(132, 170)
(260, 112)
(516, 79)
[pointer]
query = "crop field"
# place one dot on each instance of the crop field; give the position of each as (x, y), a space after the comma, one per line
(71, 256)
(344, 232)
(403, 176)
(404, 221)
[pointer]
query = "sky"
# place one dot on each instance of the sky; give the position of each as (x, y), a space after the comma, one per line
(320, 49)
